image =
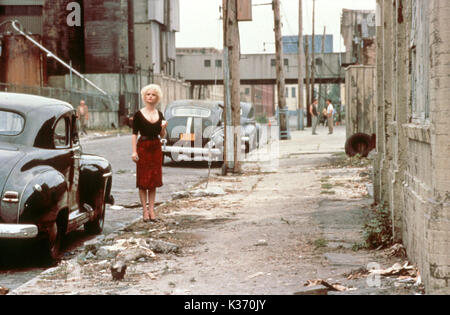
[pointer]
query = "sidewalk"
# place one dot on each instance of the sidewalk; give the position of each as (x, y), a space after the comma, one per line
(268, 232)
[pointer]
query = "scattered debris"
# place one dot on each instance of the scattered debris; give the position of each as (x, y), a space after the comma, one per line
(256, 275)
(330, 286)
(397, 250)
(357, 274)
(116, 207)
(162, 247)
(118, 270)
(3, 290)
(209, 192)
(151, 276)
(261, 243)
(396, 270)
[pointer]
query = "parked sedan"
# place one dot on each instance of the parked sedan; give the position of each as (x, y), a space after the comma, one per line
(195, 130)
(48, 186)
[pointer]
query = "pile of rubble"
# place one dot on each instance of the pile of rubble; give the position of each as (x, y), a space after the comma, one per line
(118, 252)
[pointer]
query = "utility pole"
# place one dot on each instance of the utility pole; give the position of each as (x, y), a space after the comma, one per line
(308, 83)
(232, 140)
(300, 118)
(313, 61)
(321, 97)
(280, 72)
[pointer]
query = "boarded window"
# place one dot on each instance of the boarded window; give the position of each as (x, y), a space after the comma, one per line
(420, 61)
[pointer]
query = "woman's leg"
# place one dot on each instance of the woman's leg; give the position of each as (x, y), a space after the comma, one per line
(143, 198)
(151, 203)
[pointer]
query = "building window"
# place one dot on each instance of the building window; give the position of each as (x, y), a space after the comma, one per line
(218, 63)
(273, 62)
(420, 64)
(287, 92)
(293, 92)
(207, 63)
(247, 91)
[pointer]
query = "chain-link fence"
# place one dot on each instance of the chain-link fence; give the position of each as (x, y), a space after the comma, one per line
(103, 109)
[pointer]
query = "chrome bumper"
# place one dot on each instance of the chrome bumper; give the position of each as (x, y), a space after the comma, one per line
(206, 153)
(187, 150)
(18, 231)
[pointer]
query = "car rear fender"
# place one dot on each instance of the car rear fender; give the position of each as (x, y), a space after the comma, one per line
(42, 193)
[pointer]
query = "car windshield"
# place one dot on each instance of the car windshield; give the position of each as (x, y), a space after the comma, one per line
(10, 123)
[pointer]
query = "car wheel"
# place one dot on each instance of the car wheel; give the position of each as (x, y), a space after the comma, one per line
(53, 243)
(96, 225)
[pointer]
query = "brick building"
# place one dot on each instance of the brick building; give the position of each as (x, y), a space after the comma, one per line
(413, 147)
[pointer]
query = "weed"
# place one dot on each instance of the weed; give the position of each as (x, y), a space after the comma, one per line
(327, 186)
(320, 243)
(377, 231)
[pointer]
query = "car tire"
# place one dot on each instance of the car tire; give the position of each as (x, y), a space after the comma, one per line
(96, 225)
(53, 244)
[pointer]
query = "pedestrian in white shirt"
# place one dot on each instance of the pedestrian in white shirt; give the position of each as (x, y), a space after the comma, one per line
(330, 110)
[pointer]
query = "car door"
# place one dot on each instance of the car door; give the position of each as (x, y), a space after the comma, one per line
(69, 157)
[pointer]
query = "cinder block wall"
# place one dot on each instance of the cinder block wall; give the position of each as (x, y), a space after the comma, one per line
(413, 131)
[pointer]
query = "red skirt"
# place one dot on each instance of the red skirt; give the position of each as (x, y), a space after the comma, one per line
(149, 165)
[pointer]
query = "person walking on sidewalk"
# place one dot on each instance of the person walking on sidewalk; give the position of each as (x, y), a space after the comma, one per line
(330, 111)
(83, 116)
(313, 110)
(150, 123)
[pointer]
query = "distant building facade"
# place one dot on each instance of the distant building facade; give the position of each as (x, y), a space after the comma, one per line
(290, 44)
(114, 35)
(358, 31)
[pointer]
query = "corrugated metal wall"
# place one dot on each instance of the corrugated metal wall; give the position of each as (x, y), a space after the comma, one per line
(28, 12)
(22, 62)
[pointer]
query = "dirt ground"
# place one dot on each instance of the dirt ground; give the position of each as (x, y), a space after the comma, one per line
(293, 230)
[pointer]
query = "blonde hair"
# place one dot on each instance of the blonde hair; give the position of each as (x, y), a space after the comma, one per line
(154, 87)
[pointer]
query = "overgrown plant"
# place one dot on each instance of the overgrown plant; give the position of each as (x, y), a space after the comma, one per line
(377, 231)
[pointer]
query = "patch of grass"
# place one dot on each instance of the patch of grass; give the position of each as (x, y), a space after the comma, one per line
(327, 192)
(320, 242)
(327, 186)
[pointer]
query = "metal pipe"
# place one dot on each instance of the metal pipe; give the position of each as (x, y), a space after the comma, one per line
(50, 54)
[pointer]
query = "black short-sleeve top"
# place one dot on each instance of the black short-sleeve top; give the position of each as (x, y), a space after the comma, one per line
(146, 128)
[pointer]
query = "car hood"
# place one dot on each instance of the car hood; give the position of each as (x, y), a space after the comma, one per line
(9, 156)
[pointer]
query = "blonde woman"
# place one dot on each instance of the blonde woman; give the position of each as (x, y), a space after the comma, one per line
(150, 125)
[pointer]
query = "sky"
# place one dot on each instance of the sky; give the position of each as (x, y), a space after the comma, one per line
(201, 26)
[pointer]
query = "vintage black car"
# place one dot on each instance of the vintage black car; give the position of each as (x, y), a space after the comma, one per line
(48, 186)
(195, 130)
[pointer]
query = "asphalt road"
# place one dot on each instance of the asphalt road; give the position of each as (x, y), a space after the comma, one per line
(176, 177)
(19, 262)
